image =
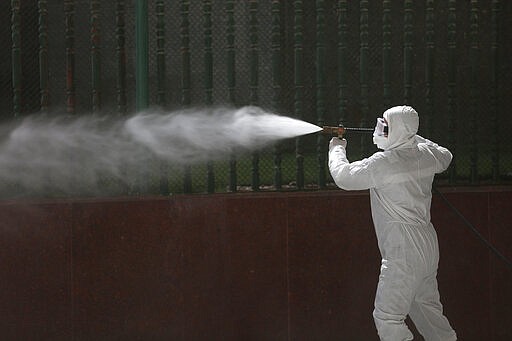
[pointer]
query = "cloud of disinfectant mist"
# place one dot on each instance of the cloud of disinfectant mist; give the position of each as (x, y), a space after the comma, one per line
(47, 151)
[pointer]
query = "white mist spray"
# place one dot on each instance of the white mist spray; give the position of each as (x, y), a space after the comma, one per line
(41, 151)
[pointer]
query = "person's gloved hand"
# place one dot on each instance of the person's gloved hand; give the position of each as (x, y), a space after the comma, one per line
(336, 141)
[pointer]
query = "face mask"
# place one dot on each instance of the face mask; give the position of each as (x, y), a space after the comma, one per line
(380, 135)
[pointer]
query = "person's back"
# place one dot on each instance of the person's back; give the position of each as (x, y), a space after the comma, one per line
(400, 181)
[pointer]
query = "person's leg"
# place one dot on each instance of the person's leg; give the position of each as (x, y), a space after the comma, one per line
(427, 313)
(393, 300)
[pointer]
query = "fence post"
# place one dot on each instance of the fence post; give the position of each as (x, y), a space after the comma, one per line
(386, 52)
(231, 79)
(363, 69)
(185, 78)
(121, 57)
(16, 56)
(254, 81)
(95, 55)
(208, 80)
(408, 50)
(474, 52)
(342, 61)
(298, 64)
(429, 67)
(141, 52)
(276, 82)
(494, 64)
(43, 54)
(320, 87)
(69, 12)
(161, 84)
(452, 82)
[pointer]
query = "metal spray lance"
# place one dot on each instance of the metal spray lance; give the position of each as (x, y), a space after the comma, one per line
(340, 130)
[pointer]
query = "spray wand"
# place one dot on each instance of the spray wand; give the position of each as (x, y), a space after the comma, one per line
(340, 130)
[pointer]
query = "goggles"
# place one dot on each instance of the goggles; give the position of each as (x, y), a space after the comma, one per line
(381, 129)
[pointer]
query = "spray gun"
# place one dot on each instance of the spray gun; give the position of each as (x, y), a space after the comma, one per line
(340, 130)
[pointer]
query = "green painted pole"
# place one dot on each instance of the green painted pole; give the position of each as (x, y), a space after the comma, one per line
(386, 52)
(276, 83)
(185, 77)
(452, 84)
(43, 55)
(408, 50)
(121, 57)
(141, 55)
(161, 84)
(429, 68)
(208, 80)
(474, 60)
(231, 80)
(16, 56)
(320, 88)
(495, 116)
(95, 55)
(342, 61)
(363, 67)
(298, 103)
(69, 12)
(254, 81)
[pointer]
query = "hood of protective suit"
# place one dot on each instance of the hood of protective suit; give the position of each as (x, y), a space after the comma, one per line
(403, 123)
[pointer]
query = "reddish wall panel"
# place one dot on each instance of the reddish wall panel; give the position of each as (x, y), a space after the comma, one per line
(35, 271)
(230, 267)
(334, 267)
(463, 274)
(500, 231)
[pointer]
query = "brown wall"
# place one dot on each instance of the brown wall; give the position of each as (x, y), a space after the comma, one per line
(269, 266)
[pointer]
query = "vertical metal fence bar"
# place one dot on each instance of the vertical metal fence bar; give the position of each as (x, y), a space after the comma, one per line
(185, 77)
(276, 82)
(69, 12)
(231, 80)
(408, 50)
(161, 84)
(16, 56)
(160, 53)
(429, 66)
(474, 54)
(208, 79)
(342, 61)
(320, 87)
(43, 55)
(494, 63)
(386, 52)
(141, 53)
(121, 57)
(95, 55)
(254, 81)
(452, 83)
(363, 69)
(298, 55)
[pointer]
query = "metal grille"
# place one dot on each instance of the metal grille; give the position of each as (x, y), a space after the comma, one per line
(479, 29)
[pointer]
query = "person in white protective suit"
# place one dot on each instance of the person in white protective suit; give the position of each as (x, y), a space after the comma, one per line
(400, 182)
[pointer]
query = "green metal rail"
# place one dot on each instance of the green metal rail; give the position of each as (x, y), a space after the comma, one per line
(322, 61)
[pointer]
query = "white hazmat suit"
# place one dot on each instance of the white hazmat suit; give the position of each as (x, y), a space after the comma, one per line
(400, 182)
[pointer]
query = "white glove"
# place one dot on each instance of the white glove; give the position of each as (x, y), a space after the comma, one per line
(336, 141)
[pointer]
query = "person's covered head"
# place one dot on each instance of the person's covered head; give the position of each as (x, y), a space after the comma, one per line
(396, 128)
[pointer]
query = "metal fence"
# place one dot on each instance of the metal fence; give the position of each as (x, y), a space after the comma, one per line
(323, 61)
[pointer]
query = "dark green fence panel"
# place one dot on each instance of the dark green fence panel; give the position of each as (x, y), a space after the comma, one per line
(322, 61)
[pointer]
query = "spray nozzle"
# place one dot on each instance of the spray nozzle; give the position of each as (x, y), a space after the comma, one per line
(340, 130)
